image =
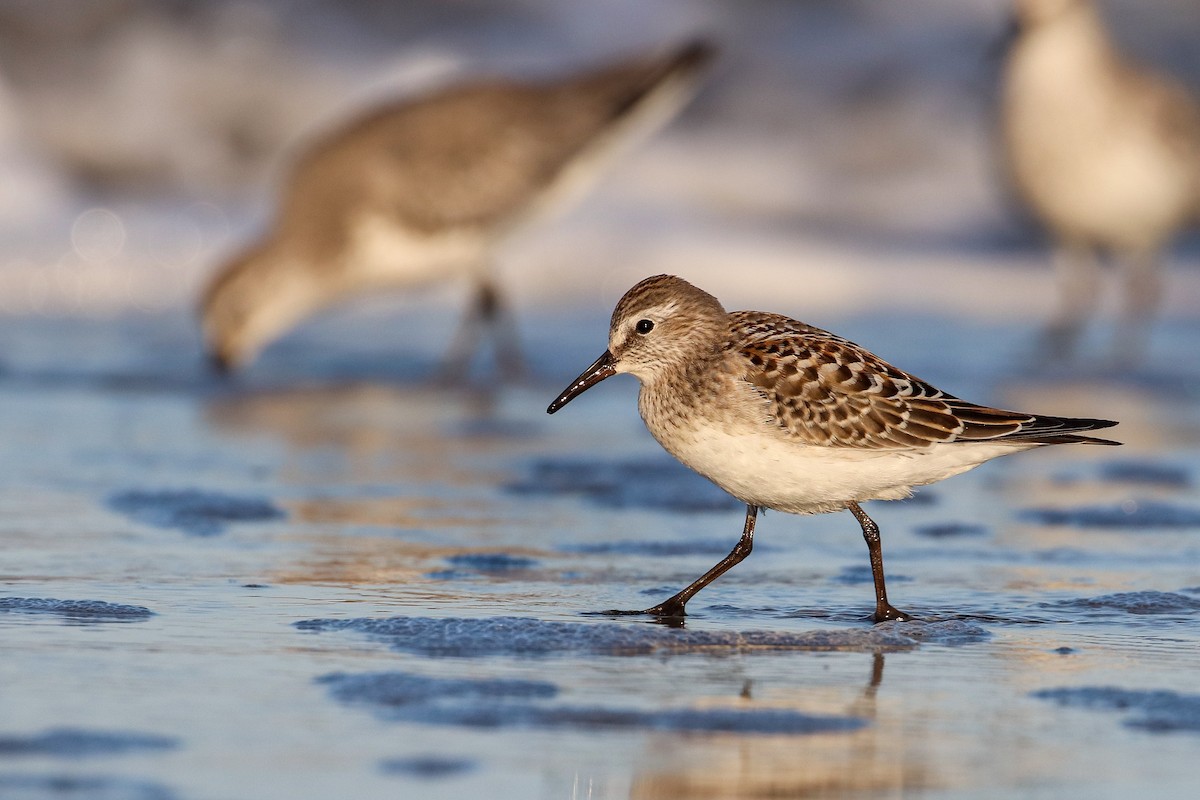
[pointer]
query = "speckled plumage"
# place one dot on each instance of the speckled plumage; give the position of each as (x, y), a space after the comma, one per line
(787, 416)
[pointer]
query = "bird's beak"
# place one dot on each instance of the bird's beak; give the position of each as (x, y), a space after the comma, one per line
(600, 369)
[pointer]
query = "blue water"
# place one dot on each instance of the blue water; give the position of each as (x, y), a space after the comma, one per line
(335, 579)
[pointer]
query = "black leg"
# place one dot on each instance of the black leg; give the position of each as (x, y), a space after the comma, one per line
(884, 611)
(673, 607)
(461, 352)
(495, 313)
(487, 310)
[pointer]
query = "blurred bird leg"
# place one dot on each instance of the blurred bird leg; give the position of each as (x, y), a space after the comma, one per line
(1077, 269)
(1142, 278)
(487, 311)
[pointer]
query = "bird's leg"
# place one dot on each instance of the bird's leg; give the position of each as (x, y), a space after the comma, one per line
(1078, 275)
(884, 610)
(487, 309)
(673, 607)
(462, 348)
(1142, 279)
(496, 313)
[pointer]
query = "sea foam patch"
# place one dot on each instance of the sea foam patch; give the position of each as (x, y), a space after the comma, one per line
(526, 636)
(75, 610)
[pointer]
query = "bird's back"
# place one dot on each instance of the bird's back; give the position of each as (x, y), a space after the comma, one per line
(474, 157)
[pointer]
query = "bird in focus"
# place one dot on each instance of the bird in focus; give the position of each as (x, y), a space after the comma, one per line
(1106, 156)
(424, 191)
(786, 416)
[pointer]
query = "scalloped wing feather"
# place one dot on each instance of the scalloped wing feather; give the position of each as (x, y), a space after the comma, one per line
(827, 391)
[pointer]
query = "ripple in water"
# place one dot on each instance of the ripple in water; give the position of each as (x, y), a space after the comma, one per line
(74, 743)
(1135, 514)
(649, 483)
(1154, 711)
(194, 512)
(498, 703)
(1148, 602)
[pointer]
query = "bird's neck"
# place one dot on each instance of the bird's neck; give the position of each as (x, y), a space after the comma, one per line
(1077, 35)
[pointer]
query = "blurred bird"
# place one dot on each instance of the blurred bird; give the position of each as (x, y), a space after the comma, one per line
(1107, 156)
(424, 190)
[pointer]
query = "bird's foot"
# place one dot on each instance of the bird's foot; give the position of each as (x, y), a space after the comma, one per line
(885, 612)
(669, 612)
(670, 609)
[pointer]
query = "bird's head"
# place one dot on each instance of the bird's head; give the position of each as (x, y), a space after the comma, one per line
(659, 326)
(253, 299)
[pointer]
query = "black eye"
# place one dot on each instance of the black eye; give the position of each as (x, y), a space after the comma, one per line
(644, 326)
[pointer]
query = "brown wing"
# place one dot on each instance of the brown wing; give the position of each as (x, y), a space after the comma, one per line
(476, 154)
(750, 327)
(828, 391)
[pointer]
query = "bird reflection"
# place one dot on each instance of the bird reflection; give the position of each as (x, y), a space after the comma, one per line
(875, 758)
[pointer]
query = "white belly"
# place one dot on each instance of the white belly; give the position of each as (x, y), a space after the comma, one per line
(768, 470)
(385, 254)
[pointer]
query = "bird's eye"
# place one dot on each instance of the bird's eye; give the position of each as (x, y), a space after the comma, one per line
(644, 326)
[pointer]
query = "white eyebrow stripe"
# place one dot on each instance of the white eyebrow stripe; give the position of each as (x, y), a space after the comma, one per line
(665, 310)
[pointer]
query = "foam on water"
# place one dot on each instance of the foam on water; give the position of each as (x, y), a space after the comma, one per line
(529, 637)
(76, 610)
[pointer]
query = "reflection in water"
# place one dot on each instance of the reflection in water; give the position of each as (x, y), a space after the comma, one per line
(372, 436)
(884, 756)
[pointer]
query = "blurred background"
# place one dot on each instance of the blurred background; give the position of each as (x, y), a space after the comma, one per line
(840, 157)
(840, 165)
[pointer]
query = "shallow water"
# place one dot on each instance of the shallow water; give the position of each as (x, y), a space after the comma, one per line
(329, 578)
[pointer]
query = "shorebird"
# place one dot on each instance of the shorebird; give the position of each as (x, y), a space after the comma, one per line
(424, 190)
(786, 416)
(1106, 155)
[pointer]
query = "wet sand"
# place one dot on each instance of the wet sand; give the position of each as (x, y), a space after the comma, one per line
(329, 578)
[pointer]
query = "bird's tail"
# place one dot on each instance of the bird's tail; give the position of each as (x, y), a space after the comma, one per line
(1062, 430)
(631, 85)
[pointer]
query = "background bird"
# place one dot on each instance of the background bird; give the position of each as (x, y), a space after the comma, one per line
(1105, 153)
(424, 190)
(787, 416)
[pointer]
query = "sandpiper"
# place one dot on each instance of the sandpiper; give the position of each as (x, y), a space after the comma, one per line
(424, 190)
(1105, 153)
(790, 417)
